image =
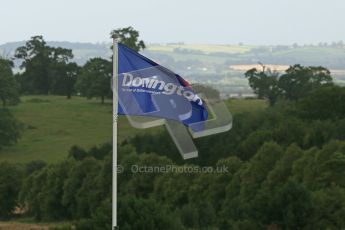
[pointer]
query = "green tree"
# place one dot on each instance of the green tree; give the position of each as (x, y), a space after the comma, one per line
(328, 208)
(10, 183)
(9, 128)
(80, 189)
(62, 72)
(129, 37)
(327, 102)
(94, 79)
(295, 84)
(264, 84)
(64, 78)
(253, 142)
(291, 205)
(258, 169)
(146, 214)
(42, 64)
(9, 89)
(299, 81)
(36, 59)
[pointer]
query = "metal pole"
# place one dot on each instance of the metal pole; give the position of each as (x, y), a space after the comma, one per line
(115, 116)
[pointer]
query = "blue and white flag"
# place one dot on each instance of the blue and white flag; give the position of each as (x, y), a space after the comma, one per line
(148, 89)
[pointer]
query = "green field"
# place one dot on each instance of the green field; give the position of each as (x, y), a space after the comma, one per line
(237, 106)
(53, 124)
(231, 49)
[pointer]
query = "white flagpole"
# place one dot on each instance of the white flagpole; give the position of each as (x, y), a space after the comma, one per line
(115, 116)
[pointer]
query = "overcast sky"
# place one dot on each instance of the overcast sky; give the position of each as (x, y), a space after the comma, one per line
(190, 21)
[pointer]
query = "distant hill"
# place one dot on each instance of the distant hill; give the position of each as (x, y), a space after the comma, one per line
(206, 55)
(221, 66)
(82, 51)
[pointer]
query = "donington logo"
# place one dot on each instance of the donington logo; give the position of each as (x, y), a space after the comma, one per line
(152, 83)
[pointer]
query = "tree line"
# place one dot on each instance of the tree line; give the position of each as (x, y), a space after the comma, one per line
(285, 171)
(297, 82)
(47, 70)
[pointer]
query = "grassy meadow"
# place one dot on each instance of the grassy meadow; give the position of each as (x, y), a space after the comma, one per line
(237, 106)
(52, 124)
